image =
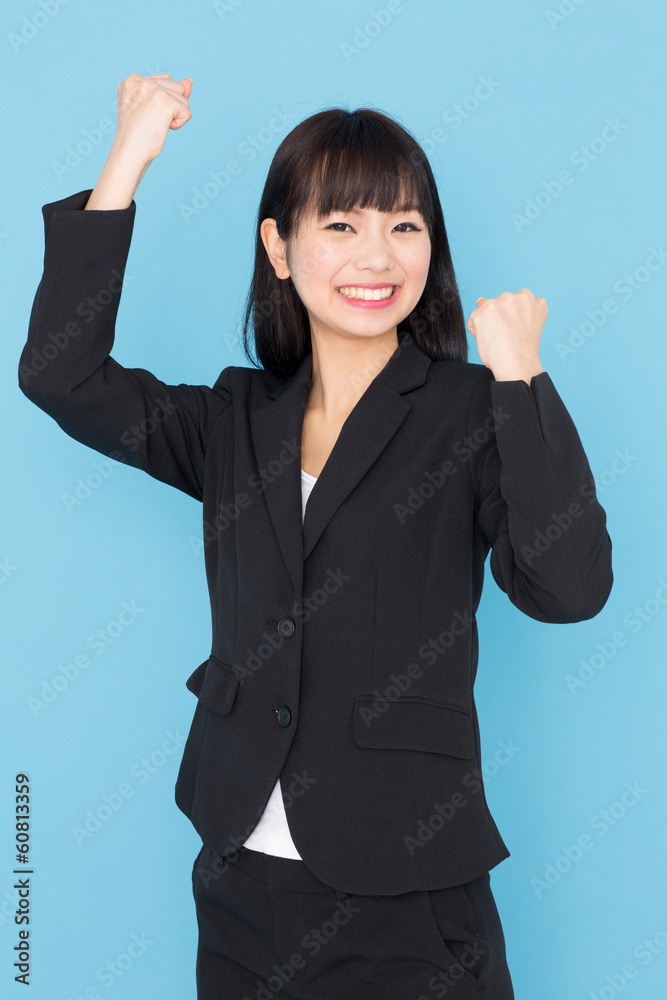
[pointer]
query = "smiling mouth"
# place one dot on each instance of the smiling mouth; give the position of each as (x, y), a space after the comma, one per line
(365, 294)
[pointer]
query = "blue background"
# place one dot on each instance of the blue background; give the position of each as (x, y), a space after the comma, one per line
(554, 81)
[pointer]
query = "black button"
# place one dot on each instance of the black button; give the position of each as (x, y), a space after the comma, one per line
(284, 715)
(286, 627)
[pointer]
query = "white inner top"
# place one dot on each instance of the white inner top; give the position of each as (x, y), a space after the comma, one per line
(271, 835)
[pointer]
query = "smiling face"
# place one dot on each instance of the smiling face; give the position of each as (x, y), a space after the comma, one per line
(358, 272)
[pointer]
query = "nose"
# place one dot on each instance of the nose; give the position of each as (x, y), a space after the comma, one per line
(374, 252)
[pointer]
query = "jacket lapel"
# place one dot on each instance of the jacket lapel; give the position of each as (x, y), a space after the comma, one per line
(276, 429)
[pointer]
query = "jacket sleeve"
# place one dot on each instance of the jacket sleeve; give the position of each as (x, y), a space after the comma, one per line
(536, 502)
(66, 369)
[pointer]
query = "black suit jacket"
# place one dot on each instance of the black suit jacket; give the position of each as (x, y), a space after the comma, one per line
(344, 652)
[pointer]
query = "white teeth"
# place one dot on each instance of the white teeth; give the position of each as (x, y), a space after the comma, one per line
(350, 292)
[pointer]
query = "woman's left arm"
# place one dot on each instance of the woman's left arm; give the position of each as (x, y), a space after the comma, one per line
(535, 495)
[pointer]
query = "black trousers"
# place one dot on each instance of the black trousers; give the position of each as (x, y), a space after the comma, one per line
(270, 930)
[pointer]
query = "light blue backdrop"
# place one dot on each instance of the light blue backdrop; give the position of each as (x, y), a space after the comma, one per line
(505, 98)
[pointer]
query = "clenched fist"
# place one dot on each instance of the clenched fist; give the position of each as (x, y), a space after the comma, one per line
(507, 330)
(148, 106)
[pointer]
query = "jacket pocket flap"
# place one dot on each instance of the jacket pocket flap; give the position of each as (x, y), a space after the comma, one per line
(413, 724)
(215, 684)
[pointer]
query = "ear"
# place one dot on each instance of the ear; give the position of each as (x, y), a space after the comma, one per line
(275, 247)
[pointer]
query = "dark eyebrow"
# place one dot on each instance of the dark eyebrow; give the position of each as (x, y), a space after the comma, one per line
(359, 211)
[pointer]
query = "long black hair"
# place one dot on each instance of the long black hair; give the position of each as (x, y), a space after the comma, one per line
(337, 160)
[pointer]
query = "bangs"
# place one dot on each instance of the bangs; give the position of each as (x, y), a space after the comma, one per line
(359, 165)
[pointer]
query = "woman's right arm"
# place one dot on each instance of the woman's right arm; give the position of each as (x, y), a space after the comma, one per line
(65, 367)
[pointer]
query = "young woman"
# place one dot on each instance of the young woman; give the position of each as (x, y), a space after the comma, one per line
(353, 484)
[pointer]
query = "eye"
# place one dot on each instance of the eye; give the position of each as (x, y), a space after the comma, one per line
(398, 226)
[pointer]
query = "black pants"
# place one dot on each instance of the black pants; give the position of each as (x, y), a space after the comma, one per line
(270, 930)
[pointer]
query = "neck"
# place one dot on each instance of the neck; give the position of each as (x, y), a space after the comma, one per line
(344, 367)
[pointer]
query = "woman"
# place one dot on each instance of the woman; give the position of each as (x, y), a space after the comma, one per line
(352, 488)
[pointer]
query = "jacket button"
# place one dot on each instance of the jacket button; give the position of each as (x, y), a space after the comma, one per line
(286, 627)
(284, 715)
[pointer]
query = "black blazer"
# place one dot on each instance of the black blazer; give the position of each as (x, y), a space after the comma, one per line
(344, 652)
